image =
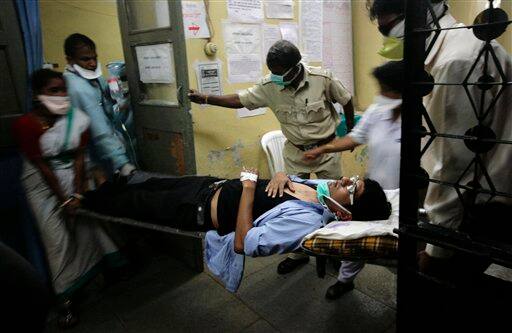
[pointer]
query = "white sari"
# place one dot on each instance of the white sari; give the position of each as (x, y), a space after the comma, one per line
(74, 249)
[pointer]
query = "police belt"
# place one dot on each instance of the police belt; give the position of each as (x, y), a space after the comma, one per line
(316, 144)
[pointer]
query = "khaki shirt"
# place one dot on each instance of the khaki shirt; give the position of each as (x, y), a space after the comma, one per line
(306, 114)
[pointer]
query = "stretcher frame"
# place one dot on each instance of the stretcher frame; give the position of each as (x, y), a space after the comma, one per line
(185, 246)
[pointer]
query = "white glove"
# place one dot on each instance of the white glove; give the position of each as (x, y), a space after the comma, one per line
(127, 169)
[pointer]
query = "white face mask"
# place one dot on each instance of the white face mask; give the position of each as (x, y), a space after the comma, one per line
(88, 74)
(58, 105)
(386, 102)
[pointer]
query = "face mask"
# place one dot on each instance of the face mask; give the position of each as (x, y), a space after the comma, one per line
(393, 44)
(279, 79)
(392, 48)
(322, 191)
(58, 105)
(88, 74)
(386, 102)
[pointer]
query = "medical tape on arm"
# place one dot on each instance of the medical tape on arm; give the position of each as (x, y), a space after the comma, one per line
(248, 176)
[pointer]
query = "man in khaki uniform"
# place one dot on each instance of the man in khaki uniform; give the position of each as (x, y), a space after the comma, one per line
(302, 99)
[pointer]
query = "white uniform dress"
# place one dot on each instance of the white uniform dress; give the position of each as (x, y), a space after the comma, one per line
(450, 109)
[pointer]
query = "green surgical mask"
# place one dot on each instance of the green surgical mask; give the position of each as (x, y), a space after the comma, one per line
(322, 190)
(392, 48)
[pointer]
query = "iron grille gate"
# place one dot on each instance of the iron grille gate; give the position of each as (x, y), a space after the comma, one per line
(417, 308)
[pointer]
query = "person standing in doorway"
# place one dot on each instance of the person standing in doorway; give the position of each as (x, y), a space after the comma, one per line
(89, 92)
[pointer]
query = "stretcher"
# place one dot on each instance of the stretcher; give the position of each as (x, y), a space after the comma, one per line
(185, 246)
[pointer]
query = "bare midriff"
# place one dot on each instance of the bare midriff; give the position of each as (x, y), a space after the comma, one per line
(213, 208)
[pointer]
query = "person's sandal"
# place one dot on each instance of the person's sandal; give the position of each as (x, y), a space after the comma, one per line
(288, 265)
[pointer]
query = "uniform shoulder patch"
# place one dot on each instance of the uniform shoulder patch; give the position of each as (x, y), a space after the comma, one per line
(320, 72)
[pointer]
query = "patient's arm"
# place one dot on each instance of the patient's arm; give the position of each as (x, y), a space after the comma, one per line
(244, 218)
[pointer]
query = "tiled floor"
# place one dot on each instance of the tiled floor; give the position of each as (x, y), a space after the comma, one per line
(166, 296)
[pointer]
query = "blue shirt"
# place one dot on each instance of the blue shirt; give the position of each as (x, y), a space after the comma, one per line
(279, 230)
(92, 99)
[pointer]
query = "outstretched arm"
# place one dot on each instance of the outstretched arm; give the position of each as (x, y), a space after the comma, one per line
(228, 101)
(244, 218)
(337, 145)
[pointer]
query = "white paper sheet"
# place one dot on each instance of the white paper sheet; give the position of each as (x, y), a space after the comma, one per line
(271, 34)
(240, 38)
(279, 9)
(337, 41)
(208, 77)
(244, 112)
(249, 11)
(311, 29)
(156, 63)
(290, 32)
(194, 19)
(244, 67)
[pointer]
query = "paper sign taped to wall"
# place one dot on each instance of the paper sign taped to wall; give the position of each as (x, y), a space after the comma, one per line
(156, 63)
(271, 34)
(279, 9)
(337, 41)
(244, 112)
(240, 38)
(194, 19)
(208, 77)
(250, 11)
(311, 13)
(244, 67)
(290, 32)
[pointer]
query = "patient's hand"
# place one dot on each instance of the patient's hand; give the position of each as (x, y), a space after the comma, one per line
(278, 183)
(313, 154)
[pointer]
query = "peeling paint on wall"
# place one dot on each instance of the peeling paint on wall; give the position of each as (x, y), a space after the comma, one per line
(216, 156)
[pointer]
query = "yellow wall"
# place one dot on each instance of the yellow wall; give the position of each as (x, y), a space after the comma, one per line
(96, 19)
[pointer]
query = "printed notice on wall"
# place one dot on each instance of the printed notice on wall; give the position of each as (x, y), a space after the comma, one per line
(250, 11)
(337, 41)
(311, 29)
(244, 67)
(240, 38)
(244, 112)
(271, 34)
(156, 63)
(279, 9)
(208, 77)
(290, 32)
(194, 19)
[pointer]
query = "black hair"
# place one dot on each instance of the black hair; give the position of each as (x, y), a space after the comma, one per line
(41, 77)
(372, 204)
(382, 7)
(391, 74)
(75, 41)
(283, 53)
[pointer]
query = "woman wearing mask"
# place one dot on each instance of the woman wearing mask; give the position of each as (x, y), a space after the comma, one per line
(380, 129)
(53, 138)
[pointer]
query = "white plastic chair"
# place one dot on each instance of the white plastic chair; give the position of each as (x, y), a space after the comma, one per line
(273, 144)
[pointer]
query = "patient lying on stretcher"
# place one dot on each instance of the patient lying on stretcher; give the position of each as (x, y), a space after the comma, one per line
(239, 214)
